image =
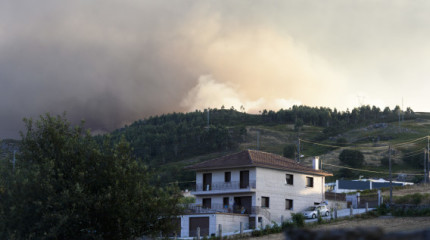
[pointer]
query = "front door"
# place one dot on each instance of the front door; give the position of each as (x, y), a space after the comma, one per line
(207, 181)
(244, 179)
(243, 205)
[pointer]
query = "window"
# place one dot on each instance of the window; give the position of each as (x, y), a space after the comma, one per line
(265, 202)
(207, 203)
(227, 176)
(225, 202)
(309, 182)
(288, 204)
(289, 179)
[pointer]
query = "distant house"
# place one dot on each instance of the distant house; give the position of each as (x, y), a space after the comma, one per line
(252, 187)
(343, 186)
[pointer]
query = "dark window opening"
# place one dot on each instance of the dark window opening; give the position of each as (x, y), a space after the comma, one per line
(207, 181)
(265, 202)
(225, 202)
(207, 203)
(288, 204)
(289, 179)
(227, 177)
(309, 182)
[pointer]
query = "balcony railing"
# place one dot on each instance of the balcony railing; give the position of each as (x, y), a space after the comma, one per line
(225, 186)
(219, 208)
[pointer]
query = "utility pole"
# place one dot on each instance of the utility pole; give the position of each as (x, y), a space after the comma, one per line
(428, 166)
(13, 161)
(298, 150)
(425, 167)
(391, 177)
(258, 140)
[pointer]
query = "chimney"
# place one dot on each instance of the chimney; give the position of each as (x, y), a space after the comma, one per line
(316, 163)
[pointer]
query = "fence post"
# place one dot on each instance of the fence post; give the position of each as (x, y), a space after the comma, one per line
(350, 211)
(379, 198)
(198, 233)
(241, 228)
(335, 212)
(220, 231)
(367, 206)
(282, 219)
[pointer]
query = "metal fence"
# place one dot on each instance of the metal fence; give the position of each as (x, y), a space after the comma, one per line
(335, 196)
(225, 186)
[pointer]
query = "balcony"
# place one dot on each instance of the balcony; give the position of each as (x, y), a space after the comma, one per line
(219, 208)
(224, 187)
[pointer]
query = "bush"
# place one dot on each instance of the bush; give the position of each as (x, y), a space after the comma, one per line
(383, 209)
(298, 220)
(287, 225)
(319, 217)
(353, 158)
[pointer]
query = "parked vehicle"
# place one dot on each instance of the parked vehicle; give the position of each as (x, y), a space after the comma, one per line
(312, 212)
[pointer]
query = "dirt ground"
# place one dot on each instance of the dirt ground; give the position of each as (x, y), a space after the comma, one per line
(418, 188)
(388, 224)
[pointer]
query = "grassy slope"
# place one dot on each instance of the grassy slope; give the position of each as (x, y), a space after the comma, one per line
(274, 138)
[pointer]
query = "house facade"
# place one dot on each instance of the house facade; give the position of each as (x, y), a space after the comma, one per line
(250, 187)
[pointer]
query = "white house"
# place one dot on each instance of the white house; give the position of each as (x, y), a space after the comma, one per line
(252, 187)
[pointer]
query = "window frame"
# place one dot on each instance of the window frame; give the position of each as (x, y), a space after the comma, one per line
(290, 202)
(267, 201)
(309, 182)
(288, 180)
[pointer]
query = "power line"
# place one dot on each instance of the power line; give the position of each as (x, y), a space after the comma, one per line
(368, 147)
(363, 170)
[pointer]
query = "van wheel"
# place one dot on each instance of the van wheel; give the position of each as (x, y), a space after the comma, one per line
(326, 213)
(314, 216)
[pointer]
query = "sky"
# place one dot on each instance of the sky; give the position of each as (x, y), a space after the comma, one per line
(111, 62)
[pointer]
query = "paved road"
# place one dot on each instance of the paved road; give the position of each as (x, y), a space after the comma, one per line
(343, 213)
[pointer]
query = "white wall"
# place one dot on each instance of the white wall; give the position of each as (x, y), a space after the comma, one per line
(271, 183)
(230, 223)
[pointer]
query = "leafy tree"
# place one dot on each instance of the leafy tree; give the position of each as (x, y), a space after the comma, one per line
(290, 151)
(353, 158)
(66, 186)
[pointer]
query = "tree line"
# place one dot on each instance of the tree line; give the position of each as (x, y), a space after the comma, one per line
(176, 136)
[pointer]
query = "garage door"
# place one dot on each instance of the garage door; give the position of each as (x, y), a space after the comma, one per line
(202, 222)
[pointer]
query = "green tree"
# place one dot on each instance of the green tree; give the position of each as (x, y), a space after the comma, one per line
(353, 158)
(66, 186)
(289, 151)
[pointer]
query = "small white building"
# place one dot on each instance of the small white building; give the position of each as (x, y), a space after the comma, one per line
(250, 187)
(345, 186)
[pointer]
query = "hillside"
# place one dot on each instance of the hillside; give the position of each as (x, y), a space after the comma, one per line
(169, 142)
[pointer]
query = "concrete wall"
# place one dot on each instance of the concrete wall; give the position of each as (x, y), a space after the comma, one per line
(271, 183)
(230, 223)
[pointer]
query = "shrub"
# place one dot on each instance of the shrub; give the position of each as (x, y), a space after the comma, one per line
(298, 219)
(353, 158)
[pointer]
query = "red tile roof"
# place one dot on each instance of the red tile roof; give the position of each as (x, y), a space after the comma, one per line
(253, 158)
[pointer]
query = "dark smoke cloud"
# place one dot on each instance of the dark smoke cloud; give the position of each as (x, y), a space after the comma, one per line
(112, 62)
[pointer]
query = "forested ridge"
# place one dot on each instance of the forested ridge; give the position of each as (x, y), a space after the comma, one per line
(168, 138)
(162, 141)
